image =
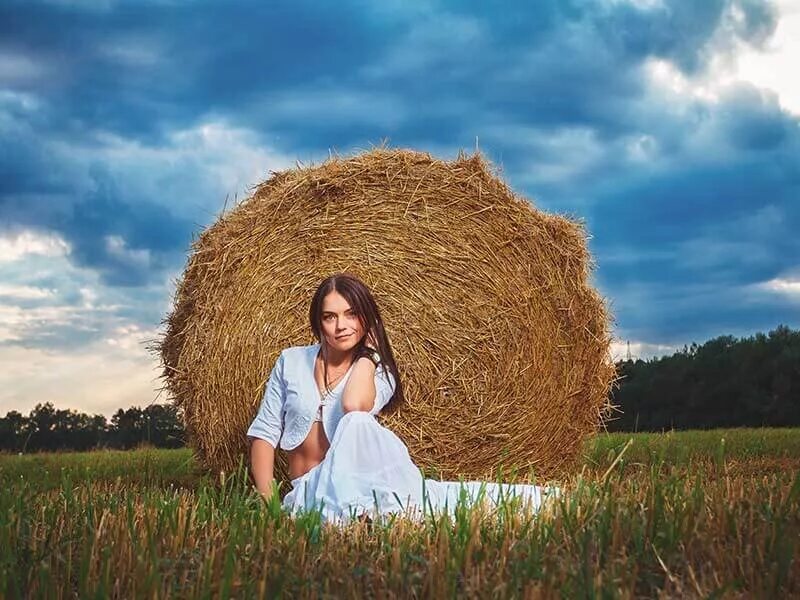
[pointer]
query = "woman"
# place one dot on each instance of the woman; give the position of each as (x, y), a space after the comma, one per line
(320, 404)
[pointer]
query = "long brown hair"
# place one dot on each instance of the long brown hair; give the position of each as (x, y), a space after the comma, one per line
(363, 304)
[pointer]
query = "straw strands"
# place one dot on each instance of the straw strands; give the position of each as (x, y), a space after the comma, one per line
(502, 344)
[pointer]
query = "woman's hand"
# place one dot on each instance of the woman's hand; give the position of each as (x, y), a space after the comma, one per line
(370, 342)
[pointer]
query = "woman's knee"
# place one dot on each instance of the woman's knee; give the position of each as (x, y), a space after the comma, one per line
(355, 415)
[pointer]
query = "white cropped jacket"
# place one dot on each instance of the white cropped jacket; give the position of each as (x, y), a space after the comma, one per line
(291, 399)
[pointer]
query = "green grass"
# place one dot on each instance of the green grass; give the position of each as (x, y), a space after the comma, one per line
(678, 514)
(680, 447)
(156, 467)
(146, 466)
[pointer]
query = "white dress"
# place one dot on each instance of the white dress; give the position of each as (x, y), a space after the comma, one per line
(367, 469)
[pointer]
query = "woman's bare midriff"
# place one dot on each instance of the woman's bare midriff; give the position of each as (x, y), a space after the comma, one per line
(313, 449)
(309, 453)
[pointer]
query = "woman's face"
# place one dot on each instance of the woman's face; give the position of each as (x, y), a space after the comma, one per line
(340, 326)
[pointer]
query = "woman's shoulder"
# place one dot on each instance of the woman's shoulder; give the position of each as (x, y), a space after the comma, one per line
(296, 353)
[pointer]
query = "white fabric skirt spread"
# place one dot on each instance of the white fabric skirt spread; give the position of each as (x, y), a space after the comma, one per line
(367, 469)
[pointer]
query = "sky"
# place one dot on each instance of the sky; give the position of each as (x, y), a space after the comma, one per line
(670, 128)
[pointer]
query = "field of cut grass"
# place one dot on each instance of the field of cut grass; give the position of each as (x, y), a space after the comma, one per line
(681, 514)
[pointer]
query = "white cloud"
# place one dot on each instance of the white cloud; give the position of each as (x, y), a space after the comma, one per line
(26, 324)
(18, 69)
(117, 247)
(71, 303)
(665, 74)
(15, 246)
(430, 43)
(311, 106)
(643, 5)
(558, 156)
(82, 346)
(88, 295)
(134, 51)
(116, 372)
(25, 292)
(639, 350)
(232, 157)
(129, 336)
(18, 101)
(784, 286)
(775, 65)
(640, 147)
(564, 153)
(770, 67)
(193, 172)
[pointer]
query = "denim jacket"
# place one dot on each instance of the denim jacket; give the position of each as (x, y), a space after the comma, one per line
(291, 399)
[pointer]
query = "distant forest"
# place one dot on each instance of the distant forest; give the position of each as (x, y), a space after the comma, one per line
(49, 429)
(726, 382)
(749, 382)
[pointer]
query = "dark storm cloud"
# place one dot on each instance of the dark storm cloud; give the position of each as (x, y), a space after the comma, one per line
(151, 233)
(139, 69)
(142, 69)
(685, 33)
(551, 64)
(557, 92)
(689, 243)
(755, 122)
(677, 315)
(43, 190)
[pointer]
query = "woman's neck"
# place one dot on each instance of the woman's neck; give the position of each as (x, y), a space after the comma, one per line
(338, 358)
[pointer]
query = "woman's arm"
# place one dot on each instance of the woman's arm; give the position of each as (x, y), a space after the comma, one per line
(266, 429)
(262, 463)
(360, 391)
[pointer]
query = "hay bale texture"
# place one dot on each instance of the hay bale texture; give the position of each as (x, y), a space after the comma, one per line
(501, 342)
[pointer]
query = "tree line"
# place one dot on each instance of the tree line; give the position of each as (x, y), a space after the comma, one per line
(726, 382)
(49, 429)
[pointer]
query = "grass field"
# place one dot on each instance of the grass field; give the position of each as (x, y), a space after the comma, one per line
(682, 514)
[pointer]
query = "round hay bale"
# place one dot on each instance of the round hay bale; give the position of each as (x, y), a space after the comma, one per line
(501, 343)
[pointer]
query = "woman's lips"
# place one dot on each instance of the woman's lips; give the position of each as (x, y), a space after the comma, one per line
(341, 337)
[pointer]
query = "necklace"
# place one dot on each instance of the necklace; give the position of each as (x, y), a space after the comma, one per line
(324, 393)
